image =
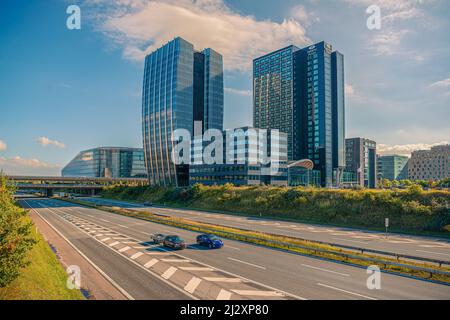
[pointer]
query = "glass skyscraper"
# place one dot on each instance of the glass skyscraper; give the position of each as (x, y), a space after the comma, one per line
(180, 86)
(107, 162)
(301, 92)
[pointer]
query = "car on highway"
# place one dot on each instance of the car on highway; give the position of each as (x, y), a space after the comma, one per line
(210, 241)
(174, 242)
(148, 204)
(158, 238)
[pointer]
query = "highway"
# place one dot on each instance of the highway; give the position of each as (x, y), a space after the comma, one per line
(426, 247)
(120, 246)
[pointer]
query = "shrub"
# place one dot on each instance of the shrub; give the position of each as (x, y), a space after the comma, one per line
(15, 235)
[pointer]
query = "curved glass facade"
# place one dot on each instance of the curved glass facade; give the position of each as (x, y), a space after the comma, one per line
(180, 85)
(108, 162)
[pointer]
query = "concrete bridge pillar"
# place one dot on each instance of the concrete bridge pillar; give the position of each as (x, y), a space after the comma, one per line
(48, 193)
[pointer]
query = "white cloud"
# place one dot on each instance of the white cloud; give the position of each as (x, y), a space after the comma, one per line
(22, 166)
(395, 10)
(406, 149)
(388, 43)
(140, 27)
(3, 145)
(349, 90)
(441, 84)
(300, 14)
(44, 141)
(246, 93)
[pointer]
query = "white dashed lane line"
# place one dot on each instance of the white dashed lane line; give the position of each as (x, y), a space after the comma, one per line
(247, 263)
(346, 291)
(325, 270)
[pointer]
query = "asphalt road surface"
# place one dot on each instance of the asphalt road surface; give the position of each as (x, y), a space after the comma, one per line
(120, 246)
(426, 247)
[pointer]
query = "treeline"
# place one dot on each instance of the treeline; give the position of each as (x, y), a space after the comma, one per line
(409, 210)
(405, 183)
(15, 235)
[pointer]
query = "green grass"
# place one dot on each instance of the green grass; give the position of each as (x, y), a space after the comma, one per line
(410, 211)
(43, 279)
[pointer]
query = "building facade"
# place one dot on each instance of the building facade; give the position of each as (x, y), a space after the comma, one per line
(431, 164)
(392, 167)
(107, 162)
(248, 156)
(180, 86)
(360, 158)
(301, 92)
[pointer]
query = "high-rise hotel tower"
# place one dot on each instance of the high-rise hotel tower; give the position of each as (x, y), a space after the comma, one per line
(180, 86)
(301, 93)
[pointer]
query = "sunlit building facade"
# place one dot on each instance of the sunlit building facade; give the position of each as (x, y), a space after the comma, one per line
(301, 92)
(392, 167)
(431, 164)
(107, 162)
(180, 86)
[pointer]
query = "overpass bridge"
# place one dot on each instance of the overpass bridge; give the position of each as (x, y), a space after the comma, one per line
(70, 184)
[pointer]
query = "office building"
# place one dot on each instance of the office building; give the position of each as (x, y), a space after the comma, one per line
(392, 167)
(181, 85)
(107, 162)
(431, 164)
(248, 156)
(360, 158)
(301, 92)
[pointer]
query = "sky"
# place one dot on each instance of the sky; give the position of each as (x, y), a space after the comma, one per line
(63, 91)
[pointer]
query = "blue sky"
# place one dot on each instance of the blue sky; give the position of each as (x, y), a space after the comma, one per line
(63, 90)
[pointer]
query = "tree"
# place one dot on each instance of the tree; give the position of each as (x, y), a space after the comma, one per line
(15, 235)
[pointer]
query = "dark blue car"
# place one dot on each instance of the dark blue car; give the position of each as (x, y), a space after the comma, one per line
(210, 241)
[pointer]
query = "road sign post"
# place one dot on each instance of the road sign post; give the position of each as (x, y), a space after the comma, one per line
(386, 224)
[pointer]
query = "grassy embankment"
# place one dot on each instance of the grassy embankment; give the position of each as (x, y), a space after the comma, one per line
(410, 211)
(43, 279)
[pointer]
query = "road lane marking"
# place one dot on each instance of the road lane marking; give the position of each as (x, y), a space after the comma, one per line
(247, 263)
(192, 285)
(218, 279)
(326, 270)
(108, 278)
(124, 249)
(444, 254)
(104, 220)
(114, 243)
(156, 253)
(196, 269)
(258, 293)
(216, 269)
(224, 295)
(233, 248)
(104, 239)
(136, 255)
(175, 260)
(169, 273)
(151, 263)
(349, 292)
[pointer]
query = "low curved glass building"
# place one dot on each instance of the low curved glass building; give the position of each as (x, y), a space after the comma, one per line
(107, 162)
